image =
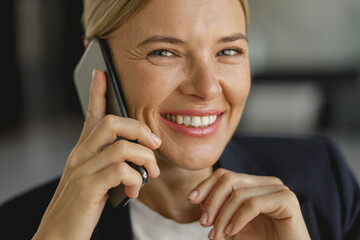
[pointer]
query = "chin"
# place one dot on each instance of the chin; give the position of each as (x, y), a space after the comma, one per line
(191, 158)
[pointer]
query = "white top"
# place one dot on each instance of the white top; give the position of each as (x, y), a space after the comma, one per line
(149, 225)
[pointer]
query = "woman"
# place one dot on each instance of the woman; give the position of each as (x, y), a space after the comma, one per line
(184, 69)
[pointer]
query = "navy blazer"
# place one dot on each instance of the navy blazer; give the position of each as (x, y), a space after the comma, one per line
(311, 167)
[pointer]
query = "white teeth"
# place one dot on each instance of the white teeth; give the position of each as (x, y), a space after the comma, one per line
(205, 121)
(179, 119)
(191, 121)
(187, 120)
(196, 121)
(212, 118)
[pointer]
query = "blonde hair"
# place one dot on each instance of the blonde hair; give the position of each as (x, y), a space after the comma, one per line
(102, 17)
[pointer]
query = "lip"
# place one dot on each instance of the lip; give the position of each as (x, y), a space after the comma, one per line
(191, 131)
(195, 112)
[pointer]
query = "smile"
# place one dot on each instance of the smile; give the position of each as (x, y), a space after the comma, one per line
(191, 121)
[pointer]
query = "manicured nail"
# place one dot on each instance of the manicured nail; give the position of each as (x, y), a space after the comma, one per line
(156, 139)
(203, 218)
(212, 233)
(93, 74)
(193, 194)
(228, 228)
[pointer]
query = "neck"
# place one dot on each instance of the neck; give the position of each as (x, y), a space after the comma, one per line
(168, 193)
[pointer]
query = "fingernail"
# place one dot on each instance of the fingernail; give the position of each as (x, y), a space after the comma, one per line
(228, 228)
(156, 139)
(93, 74)
(203, 218)
(212, 233)
(193, 194)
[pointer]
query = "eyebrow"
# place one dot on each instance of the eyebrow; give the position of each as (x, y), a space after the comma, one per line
(176, 41)
(162, 39)
(233, 38)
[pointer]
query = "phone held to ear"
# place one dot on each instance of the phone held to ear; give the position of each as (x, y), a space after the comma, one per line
(98, 56)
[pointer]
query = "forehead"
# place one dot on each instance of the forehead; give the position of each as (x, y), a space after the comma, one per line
(188, 17)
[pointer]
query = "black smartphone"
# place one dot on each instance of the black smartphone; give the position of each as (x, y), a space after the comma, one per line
(98, 56)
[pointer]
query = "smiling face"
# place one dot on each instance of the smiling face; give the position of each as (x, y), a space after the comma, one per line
(184, 69)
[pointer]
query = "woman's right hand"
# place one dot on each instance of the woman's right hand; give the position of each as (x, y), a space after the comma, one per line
(92, 170)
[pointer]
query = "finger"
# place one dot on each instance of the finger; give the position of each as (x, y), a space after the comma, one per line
(235, 201)
(97, 103)
(242, 180)
(116, 174)
(200, 192)
(228, 184)
(280, 205)
(111, 127)
(121, 151)
(214, 192)
(216, 198)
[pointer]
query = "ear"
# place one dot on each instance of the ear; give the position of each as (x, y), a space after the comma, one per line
(86, 42)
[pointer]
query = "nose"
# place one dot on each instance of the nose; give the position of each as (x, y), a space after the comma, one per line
(201, 81)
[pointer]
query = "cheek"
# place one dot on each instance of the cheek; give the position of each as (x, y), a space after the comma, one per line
(236, 85)
(145, 87)
(236, 88)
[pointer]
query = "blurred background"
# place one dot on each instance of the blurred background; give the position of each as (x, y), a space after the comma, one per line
(305, 58)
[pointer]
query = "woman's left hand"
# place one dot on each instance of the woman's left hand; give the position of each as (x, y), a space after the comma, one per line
(241, 206)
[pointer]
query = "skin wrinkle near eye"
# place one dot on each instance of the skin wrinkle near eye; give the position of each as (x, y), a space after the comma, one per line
(145, 54)
(135, 54)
